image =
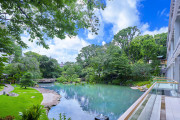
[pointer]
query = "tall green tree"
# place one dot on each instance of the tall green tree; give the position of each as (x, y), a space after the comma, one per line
(161, 40)
(26, 80)
(125, 36)
(49, 67)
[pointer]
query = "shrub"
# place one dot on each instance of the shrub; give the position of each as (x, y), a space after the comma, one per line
(27, 80)
(116, 82)
(137, 83)
(141, 83)
(2, 85)
(141, 71)
(32, 113)
(61, 79)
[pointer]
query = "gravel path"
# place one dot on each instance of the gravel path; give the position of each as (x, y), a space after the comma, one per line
(50, 97)
(7, 89)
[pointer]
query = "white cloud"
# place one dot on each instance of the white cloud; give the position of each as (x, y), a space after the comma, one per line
(62, 50)
(163, 11)
(103, 43)
(100, 32)
(121, 13)
(91, 35)
(145, 30)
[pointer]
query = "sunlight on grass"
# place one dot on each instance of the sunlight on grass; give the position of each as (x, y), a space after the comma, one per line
(1, 88)
(13, 105)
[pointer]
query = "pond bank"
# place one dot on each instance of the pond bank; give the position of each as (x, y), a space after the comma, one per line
(50, 98)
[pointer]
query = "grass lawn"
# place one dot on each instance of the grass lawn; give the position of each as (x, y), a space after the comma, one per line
(1, 88)
(13, 105)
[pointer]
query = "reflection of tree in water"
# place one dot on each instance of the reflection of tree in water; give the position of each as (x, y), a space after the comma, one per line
(100, 99)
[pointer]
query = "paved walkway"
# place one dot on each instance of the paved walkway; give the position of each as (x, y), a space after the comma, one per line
(7, 89)
(50, 97)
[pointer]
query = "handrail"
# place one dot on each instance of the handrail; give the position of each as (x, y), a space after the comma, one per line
(133, 107)
(169, 82)
(162, 79)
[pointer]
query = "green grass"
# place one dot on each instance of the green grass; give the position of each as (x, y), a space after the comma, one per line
(1, 88)
(13, 105)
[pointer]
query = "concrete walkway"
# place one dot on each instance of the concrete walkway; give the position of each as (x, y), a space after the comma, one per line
(50, 97)
(7, 89)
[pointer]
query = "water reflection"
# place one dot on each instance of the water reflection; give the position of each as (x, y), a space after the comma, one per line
(85, 102)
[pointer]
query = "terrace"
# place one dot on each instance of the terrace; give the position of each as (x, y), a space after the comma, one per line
(160, 102)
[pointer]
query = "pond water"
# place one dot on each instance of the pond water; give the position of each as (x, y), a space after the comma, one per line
(85, 102)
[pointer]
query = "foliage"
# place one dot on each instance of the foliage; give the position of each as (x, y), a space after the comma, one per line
(63, 117)
(143, 47)
(6, 48)
(161, 40)
(32, 113)
(30, 64)
(141, 71)
(90, 74)
(27, 80)
(137, 83)
(2, 86)
(125, 36)
(69, 74)
(49, 67)
(53, 18)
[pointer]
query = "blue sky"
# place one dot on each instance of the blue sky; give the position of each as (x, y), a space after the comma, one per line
(150, 16)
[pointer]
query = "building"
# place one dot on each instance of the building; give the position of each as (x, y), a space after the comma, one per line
(62, 64)
(173, 43)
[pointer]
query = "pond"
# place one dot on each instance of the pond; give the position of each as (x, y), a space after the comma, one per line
(85, 102)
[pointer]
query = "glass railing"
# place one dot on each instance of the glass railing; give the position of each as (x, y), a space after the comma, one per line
(148, 107)
(145, 109)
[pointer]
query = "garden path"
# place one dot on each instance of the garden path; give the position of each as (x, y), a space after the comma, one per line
(7, 89)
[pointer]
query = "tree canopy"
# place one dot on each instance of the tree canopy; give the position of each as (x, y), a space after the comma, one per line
(47, 18)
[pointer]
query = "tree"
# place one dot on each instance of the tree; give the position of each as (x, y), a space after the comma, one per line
(49, 67)
(31, 65)
(135, 50)
(27, 80)
(17, 53)
(6, 48)
(86, 54)
(43, 20)
(125, 36)
(33, 54)
(143, 47)
(141, 71)
(14, 70)
(149, 49)
(119, 68)
(50, 18)
(161, 40)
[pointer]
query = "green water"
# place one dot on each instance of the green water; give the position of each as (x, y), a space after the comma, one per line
(86, 102)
